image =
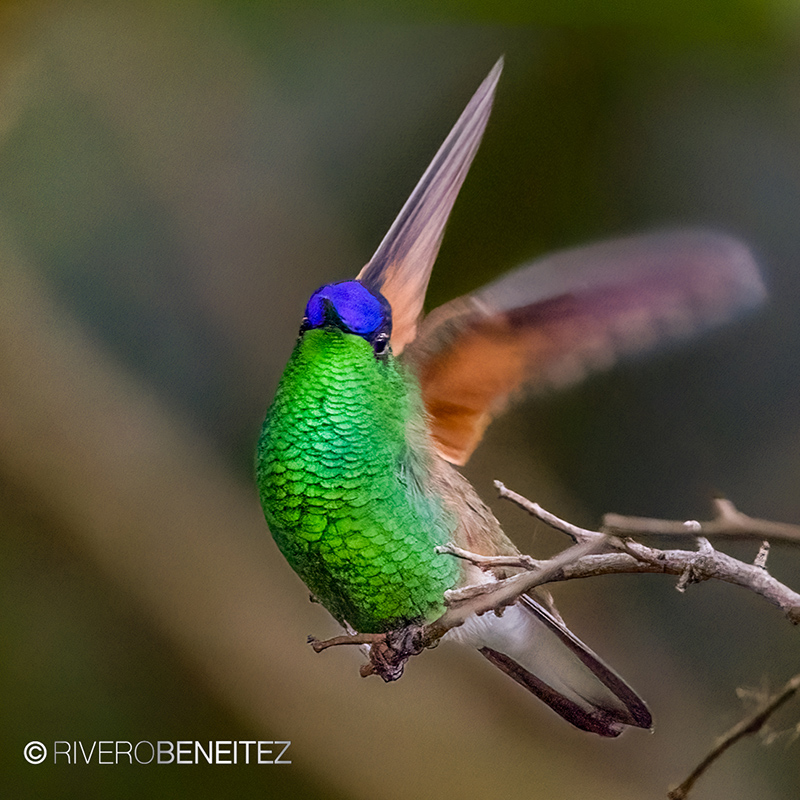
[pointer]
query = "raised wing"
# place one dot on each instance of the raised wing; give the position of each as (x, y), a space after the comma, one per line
(401, 266)
(551, 322)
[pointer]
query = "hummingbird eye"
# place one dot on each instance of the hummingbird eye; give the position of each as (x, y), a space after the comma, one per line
(380, 344)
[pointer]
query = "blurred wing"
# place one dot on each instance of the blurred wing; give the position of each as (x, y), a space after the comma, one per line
(551, 322)
(402, 264)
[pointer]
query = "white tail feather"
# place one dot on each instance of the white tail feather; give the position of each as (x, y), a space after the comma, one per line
(541, 654)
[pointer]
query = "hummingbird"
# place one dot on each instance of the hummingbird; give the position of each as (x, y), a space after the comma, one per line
(357, 460)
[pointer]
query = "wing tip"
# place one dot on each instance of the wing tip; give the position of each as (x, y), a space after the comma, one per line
(494, 73)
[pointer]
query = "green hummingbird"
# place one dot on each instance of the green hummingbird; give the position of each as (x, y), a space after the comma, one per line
(356, 460)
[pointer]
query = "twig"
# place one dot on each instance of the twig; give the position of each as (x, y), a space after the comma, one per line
(535, 510)
(761, 556)
(463, 603)
(749, 725)
(520, 560)
(728, 521)
(347, 638)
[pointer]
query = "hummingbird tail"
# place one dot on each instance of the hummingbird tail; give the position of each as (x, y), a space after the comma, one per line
(534, 648)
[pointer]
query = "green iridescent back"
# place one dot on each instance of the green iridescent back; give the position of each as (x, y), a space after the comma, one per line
(342, 476)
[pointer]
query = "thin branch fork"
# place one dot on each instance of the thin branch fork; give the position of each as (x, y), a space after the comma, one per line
(728, 522)
(495, 596)
(691, 567)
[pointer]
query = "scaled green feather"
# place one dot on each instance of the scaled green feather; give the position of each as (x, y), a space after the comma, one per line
(343, 484)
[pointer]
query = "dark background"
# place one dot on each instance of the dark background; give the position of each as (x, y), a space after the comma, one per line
(175, 179)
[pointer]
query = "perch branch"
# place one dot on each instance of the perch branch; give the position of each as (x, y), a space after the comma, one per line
(750, 725)
(595, 553)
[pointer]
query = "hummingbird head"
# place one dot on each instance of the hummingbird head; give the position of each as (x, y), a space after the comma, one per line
(352, 308)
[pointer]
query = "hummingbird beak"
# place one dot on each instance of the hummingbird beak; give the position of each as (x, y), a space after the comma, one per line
(401, 266)
(330, 315)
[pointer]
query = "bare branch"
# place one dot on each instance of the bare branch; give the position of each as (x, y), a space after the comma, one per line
(728, 522)
(535, 510)
(520, 560)
(691, 567)
(462, 603)
(347, 638)
(750, 725)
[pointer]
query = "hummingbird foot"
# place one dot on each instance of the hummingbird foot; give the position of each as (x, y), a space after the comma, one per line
(387, 658)
(388, 652)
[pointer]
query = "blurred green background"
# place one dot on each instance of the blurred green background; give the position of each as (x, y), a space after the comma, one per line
(175, 179)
